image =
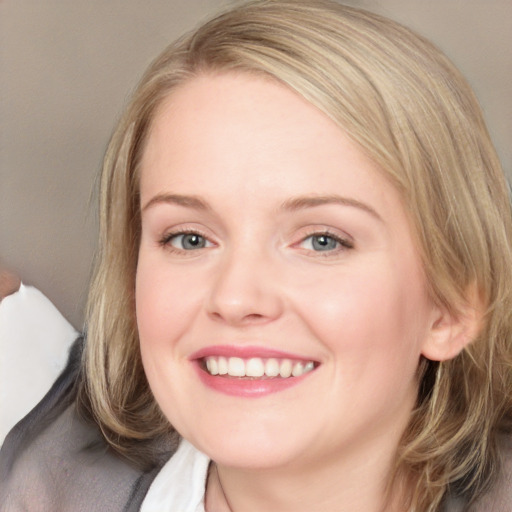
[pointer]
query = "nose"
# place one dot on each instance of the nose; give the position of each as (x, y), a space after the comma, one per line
(245, 290)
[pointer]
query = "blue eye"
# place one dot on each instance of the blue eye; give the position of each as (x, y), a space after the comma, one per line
(188, 241)
(323, 242)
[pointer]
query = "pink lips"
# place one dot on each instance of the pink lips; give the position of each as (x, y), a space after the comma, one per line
(244, 352)
(244, 386)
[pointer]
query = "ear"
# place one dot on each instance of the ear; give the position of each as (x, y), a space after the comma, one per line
(451, 332)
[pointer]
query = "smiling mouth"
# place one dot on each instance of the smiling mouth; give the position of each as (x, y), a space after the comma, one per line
(256, 367)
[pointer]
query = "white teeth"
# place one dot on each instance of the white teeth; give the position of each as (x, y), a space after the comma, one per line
(272, 368)
(285, 370)
(236, 367)
(298, 369)
(223, 366)
(212, 366)
(256, 367)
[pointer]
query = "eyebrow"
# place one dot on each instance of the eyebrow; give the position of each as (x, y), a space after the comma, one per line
(178, 199)
(302, 202)
(292, 204)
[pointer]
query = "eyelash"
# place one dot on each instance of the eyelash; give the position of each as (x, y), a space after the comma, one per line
(166, 240)
(343, 243)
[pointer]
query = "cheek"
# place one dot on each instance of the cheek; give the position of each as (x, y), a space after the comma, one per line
(163, 312)
(151, 305)
(375, 319)
(163, 300)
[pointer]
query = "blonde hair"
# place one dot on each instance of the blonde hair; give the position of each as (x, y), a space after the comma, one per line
(412, 112)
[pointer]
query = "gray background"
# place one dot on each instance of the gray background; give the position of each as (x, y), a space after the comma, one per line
(67, 69)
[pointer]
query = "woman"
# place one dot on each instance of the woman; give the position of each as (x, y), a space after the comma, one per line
(304, 272)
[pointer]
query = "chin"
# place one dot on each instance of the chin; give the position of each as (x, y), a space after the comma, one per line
(250, 455)
(256, 446)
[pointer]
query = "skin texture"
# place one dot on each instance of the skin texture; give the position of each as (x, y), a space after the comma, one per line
(247, 147)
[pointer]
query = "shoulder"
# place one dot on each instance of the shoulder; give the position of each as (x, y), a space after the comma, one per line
(499, 496)
(34, 343)
(55, 460)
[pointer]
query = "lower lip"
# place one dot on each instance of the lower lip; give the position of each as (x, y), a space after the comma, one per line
(244, 387)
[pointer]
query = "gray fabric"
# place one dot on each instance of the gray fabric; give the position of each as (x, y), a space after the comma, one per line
(55, 461)
(499, 498)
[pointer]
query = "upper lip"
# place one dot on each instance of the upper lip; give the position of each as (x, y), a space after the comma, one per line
(246, 352)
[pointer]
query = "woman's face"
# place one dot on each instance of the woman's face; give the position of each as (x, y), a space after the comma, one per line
(271, 244)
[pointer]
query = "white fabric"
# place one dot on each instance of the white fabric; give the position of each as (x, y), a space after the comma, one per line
(180, 484)
(34, 343)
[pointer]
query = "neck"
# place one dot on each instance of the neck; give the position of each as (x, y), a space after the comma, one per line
(355, 486)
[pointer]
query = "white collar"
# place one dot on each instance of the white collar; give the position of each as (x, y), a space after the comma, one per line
(180, 485)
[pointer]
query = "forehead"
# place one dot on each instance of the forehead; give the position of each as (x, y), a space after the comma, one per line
(218, 115)
(228, 135)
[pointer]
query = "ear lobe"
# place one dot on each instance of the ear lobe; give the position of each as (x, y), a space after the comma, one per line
(451, 332)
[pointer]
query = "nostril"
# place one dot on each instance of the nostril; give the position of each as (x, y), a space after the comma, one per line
(253, 316)
(240, 319)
